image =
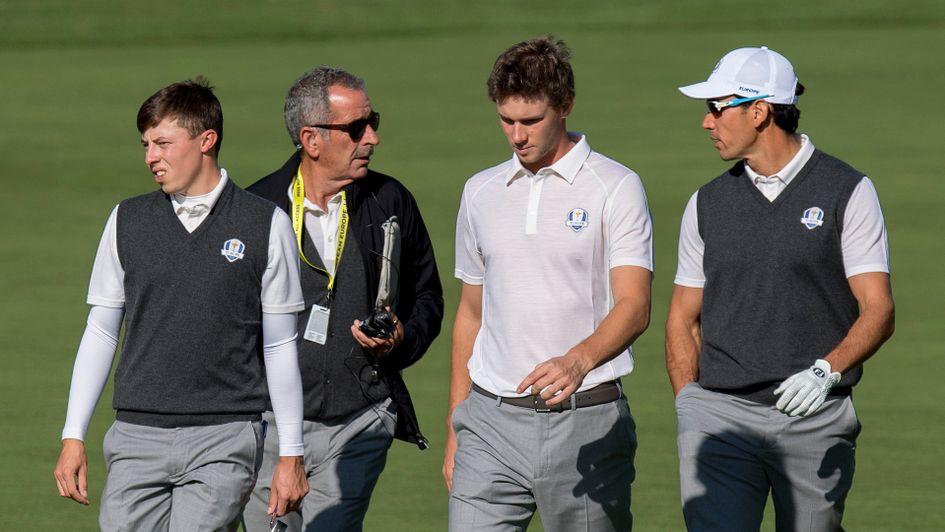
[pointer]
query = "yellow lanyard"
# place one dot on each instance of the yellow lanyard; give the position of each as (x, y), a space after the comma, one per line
(298, 217)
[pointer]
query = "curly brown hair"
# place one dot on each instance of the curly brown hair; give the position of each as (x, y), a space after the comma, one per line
(534, 69)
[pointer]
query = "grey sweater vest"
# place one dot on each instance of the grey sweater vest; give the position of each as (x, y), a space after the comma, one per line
(193, 315)
(337, 378)
(776, 297)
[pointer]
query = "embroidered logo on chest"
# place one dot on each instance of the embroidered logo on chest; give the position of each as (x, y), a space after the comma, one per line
(233, 249)
(813, 218)
(577, 219)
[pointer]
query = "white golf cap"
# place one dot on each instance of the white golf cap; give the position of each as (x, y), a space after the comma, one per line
(749, 72)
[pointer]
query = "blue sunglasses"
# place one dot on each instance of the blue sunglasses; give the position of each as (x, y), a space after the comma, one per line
(717, 106)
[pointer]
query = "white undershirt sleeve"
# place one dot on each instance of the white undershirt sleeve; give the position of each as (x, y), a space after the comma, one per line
(93, 363)
(689, 271)
(281, 288)
(282, 375)
(864, 242)
(107, 283)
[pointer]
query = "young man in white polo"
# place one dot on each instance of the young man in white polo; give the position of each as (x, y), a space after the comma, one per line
(201, 273)
(782, 292)
(553, 248)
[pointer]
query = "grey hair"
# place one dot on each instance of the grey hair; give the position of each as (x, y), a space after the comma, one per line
(307, 101)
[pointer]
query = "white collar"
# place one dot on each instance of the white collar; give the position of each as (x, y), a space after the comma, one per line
(310, 206)
(566, 167)
(208, 200)
(791, 169)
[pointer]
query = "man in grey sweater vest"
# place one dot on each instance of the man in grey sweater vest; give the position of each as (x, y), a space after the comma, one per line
(782, 293)
(202, 273)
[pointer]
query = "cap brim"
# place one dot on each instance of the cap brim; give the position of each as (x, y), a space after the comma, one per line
(705, 90)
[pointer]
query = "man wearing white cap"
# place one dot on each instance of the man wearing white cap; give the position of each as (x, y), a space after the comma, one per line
(782, 292)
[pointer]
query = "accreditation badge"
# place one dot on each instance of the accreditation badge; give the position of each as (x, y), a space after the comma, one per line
(317, 328)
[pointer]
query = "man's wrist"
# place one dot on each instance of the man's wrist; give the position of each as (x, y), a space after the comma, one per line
(824, 370)
(583, 357)
(679, 385)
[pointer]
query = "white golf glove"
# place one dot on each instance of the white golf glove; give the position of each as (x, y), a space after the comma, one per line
(803, 393)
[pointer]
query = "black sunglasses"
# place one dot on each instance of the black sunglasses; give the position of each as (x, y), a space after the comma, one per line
(355, 129)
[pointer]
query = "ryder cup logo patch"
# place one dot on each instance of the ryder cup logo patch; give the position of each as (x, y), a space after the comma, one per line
(577, 219)
(813, 217)
(233, 249)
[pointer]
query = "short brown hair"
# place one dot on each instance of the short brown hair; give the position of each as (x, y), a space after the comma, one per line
(191, 103)
(534, 69)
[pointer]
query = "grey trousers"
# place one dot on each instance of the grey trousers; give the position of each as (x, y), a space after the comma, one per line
(180, 479)
(343, 461)
(732, 452)
(574, 467)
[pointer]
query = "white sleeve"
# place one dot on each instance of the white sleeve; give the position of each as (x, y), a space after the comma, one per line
(281, 289)
(107, 285)
(469, 265)
(280, 354)
(864, 242)
(629, 227)
(689, 271)
(93, 363)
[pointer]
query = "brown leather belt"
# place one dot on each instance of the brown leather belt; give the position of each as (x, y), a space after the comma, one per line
(598, 395)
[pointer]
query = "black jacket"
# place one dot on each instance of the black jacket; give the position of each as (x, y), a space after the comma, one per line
(371, 201)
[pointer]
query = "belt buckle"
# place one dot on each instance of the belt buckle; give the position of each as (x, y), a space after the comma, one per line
(535, 402)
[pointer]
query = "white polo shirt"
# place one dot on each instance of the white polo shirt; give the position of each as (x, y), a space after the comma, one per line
(542, 245)
(863, 240)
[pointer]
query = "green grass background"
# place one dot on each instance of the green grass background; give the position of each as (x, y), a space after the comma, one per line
(72, 76)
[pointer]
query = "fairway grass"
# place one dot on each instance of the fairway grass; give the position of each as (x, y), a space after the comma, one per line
(72, 80)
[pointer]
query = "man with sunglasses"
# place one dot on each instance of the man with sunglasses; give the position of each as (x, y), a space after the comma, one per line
(782, 293)
(355, 398)
(554, 251)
